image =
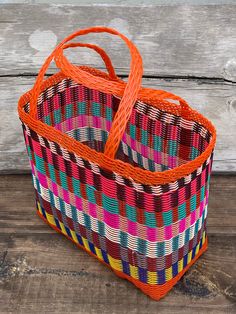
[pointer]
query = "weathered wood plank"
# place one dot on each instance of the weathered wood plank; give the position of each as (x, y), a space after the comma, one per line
(173, 40)
(215, 99)
(41, 271)
(48, 274)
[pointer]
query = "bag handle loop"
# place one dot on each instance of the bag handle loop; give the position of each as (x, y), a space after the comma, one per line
(130, 92)
(101, 52)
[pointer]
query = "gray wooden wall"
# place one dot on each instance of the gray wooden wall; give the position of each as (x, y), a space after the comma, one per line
(187, 49)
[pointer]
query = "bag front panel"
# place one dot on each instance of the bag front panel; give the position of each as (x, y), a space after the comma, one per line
(150, 233)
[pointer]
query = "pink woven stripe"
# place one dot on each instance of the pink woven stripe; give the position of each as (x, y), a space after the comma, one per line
(109, 186)
(120, 222)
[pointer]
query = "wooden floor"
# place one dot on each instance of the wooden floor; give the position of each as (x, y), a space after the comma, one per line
(42, 272)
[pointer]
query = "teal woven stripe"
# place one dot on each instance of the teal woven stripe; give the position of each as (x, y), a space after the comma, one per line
(63, 178)
(81, 108)
(131, 213)
(181, 211)
(142, 246)
(29, 152)
(76, 187)
(57, 116)
(157, 143)
(96, 109)
(69, 111)
(168, 218)
(172, 148)
(52, 173)
(112, 205)
(39, 163)
(108, 112)
(144, 137)
(47, 120)
(193, 202)
(194, 153)
(140, 159)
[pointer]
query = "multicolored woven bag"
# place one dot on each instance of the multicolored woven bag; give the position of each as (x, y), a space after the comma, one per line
(121, 170)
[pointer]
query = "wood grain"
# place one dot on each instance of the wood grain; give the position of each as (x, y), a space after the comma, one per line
(173, 40)
(187, 49)
(41, 271)
(215, 99)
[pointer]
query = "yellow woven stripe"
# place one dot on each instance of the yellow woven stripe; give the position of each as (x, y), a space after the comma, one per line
(50, 219)
(86, 245)
(74, 236)
(63, 230)
(115, 263)
(152, 277)
(168, 273)
(180, 265)
(98, 253)
(189, 256)
(203, 237)
(133, 271)
(197, 249)
(39, 208)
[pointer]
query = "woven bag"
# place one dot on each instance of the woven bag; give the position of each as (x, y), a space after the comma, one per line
(121, 170)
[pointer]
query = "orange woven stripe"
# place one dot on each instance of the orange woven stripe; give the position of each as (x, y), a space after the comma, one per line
(156, 292)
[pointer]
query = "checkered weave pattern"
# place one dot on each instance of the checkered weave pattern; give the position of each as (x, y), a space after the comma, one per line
(147, 233)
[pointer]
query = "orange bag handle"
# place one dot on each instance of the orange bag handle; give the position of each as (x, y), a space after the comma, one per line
(117, 87)
(101, 52)
(130, 92)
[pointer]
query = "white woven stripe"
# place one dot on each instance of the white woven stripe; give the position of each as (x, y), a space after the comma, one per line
(156, 189)
(114, 234)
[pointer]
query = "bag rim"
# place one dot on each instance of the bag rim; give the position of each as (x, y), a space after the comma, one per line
(120, 167)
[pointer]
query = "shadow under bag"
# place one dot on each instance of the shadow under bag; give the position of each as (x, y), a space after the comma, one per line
(121, 170)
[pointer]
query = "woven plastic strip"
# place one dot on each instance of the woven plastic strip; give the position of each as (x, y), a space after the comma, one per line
(119, 169)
